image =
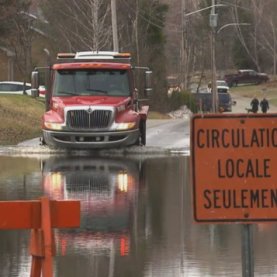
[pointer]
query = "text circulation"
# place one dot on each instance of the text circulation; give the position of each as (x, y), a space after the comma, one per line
(236, 138)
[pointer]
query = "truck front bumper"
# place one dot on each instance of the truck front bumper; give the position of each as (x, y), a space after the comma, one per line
(90, 140)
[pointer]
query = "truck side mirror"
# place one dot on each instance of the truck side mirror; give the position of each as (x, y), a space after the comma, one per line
(34, 80)
(148, 83)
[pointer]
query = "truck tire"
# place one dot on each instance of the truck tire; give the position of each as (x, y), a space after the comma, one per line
(48, 141)
(42, 140)
(143, 132)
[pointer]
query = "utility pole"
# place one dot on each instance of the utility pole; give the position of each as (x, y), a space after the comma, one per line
(274, 50)
(114, 26)
(213, 25)
(182, 52)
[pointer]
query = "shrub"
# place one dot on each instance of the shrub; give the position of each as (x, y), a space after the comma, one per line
(178, 99)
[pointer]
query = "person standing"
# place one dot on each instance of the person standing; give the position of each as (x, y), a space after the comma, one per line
(264, 105)
(255, 104)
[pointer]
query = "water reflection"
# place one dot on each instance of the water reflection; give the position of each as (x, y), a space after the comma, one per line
(20, 179)
(108, 190)
(136, 221)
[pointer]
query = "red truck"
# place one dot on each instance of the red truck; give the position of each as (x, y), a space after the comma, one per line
(246, 76)
(92, 101)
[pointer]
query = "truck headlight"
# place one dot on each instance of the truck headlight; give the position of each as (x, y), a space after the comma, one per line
(122, 181)
(124, 126)
(53, 125)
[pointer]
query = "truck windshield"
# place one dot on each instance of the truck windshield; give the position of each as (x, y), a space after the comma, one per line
(89, 82)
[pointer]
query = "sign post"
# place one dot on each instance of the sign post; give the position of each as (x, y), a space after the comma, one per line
(247, 250)
(234, 176)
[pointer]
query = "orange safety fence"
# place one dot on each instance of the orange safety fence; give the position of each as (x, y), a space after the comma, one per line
(41, 216)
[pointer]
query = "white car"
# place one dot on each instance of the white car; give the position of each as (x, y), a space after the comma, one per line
(12, 87)
(222, 86)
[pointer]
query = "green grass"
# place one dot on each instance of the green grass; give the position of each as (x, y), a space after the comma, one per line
(20, 118)
(157, 115)
(268, 89)
(273, 102)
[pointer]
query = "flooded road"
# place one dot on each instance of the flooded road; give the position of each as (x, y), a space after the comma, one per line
(136, 220)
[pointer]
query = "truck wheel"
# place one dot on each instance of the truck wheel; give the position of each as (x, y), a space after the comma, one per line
(142, 134)
(48, 141)
(142, 129)
(42, 140)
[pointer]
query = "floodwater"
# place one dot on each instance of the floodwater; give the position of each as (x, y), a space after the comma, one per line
(136, 221)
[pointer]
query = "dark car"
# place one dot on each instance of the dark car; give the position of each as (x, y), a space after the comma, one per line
(246, 76)
(225, 102)
(204, 101)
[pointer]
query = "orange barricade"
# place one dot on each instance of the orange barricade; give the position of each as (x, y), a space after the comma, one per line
(40, 216)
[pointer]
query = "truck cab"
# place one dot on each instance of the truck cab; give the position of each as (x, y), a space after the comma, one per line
(92, 102)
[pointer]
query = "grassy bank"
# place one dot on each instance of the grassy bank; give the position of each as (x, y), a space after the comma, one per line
(20, 118)
(268, 89)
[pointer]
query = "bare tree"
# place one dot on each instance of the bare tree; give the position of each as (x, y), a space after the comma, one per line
(19, 27)
(267, 32)
(82, 24)
(22, 41)
(188, 47)
(259, 41)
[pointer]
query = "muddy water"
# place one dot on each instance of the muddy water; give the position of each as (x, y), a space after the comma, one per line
(136, 220)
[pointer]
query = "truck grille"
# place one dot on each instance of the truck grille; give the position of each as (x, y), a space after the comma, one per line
(97, 184)
(88, 119)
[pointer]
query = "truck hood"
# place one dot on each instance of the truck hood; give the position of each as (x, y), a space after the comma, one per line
(90, 101)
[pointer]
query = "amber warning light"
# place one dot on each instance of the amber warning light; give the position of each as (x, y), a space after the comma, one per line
(234, 168)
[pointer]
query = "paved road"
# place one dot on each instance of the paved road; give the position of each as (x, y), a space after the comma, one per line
(168, 134)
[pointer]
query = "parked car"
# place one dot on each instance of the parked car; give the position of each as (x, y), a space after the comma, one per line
(222, 86)
(204, 101)
(13, 87)
(246, 76)
(225, 102)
